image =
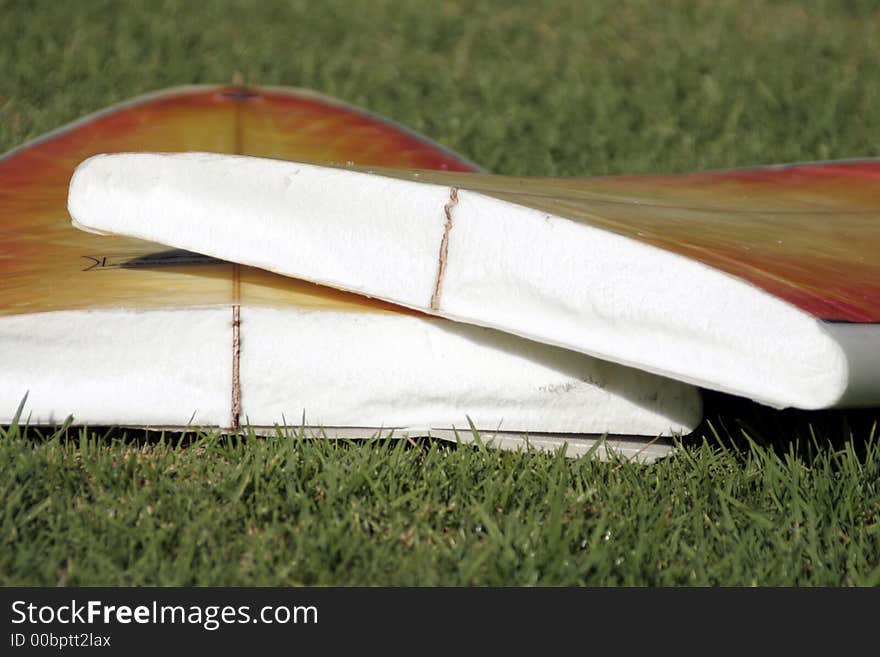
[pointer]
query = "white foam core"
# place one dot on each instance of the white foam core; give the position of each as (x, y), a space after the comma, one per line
(173, 368)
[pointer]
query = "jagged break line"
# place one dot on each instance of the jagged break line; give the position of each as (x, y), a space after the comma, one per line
(444, 247)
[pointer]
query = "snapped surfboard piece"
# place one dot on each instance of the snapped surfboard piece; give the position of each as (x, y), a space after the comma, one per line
(759, 282)
(128, 332)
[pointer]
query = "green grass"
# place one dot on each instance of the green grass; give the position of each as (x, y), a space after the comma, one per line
(86, 508)
(540, 88)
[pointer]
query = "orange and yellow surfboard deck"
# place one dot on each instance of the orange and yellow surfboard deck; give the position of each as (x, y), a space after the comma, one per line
(46, 264)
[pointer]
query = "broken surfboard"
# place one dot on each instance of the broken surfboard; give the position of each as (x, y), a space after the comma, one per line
(123, 331)
(761, 282)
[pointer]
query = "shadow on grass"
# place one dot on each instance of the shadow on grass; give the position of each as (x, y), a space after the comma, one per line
(735, 422)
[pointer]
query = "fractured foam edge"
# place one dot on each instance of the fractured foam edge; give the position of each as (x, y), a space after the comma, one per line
(506, 266)
(173, 368)
(604, 447)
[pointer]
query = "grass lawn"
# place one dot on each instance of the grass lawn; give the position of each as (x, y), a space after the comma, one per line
(754, 496)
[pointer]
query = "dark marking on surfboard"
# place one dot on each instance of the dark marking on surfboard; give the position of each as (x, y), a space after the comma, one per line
(160, 259)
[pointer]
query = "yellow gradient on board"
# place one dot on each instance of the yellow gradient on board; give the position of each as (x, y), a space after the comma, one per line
(46, 264)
